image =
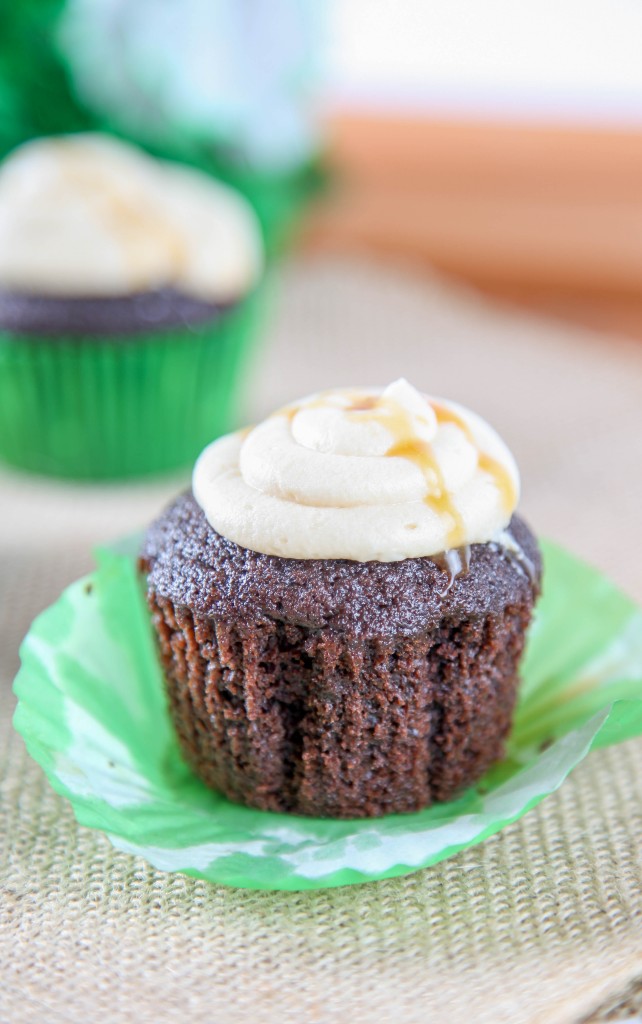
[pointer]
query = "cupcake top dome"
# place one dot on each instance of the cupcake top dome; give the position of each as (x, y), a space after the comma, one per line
(90, 216)
(361, 474)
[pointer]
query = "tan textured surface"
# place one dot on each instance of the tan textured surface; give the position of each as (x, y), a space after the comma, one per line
(542, 923)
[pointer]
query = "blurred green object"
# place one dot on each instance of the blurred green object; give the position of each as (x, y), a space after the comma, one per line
(41, 93)
(36, 95)
(112, 407)
(92, 710)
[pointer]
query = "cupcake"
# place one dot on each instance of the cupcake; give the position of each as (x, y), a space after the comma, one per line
(342, 602)
(129, 293)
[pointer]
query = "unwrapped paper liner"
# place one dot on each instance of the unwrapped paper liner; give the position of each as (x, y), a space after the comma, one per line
(92, 712)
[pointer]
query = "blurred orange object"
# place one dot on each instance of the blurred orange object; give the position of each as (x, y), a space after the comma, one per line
(549, 217)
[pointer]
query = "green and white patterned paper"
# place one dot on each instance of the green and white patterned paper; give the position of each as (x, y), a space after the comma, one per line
(92, 712)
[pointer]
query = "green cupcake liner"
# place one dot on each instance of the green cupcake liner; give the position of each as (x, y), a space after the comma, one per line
(104, 407)
(93, 713)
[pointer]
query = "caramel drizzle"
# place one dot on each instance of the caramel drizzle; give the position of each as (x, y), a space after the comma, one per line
(405, 446)
(454, 562)
(421, 453)
(119, 213)
(365, 404)
(399, 422)
(500, 475)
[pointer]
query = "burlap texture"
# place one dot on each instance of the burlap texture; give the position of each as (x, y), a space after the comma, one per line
(542, 923)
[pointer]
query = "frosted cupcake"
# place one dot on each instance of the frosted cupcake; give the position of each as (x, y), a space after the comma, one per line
(128, 297)
(342, 604)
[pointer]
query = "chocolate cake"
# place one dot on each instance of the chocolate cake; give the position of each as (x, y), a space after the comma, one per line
(334, 687)
(104, 316)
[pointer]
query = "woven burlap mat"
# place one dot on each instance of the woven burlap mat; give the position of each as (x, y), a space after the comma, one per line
(541, 923)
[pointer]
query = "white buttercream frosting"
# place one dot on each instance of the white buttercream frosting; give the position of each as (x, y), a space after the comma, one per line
(361, 474)
(89, 215)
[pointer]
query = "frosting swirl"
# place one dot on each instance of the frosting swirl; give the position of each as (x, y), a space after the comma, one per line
(88, 215)
(360, 474)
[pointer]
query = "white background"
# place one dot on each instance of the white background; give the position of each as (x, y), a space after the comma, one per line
(559, 58)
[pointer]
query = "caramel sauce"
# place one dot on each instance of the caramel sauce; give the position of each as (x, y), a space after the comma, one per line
(421, 453)
(289, 411)
(365, 404)
(124, 215)
(503, 481)
(445, 415)
(455, 562)
(360, 404)
(501, 477)
(406, 446)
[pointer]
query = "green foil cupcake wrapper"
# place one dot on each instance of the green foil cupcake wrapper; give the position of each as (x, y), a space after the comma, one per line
(92, 712)
(100, 407)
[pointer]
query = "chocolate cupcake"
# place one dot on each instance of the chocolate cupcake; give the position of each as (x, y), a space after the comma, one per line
(129, 292)
(342, 604)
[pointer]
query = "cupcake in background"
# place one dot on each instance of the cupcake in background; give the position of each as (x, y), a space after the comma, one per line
(226, 87)
(130, 289)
